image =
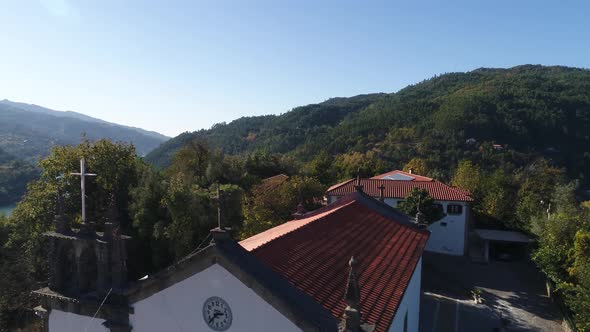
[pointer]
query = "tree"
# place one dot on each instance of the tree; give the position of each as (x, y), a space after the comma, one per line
(420, 199)
(468, 177)
(267, 207)
(417, 166)
(118, 170)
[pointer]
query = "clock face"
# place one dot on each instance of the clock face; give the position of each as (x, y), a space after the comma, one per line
(217, 314)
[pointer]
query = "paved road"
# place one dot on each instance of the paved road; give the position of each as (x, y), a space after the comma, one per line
(443, 314)
(513, 292)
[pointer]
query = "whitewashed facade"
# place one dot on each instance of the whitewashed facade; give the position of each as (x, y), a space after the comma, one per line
(407, 317)
(179, 307)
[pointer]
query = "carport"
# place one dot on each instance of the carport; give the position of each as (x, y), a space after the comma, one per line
(499, 236)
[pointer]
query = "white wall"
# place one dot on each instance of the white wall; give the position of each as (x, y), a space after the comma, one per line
(60, 321)
(449, 239)
(179, 307)
(410, 304)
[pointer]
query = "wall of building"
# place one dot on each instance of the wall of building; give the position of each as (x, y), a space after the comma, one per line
(180, 307)
(410, 305)
(60, 321)
(448, 235)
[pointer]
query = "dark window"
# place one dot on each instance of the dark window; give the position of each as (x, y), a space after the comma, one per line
(443, 224)
(439, 207)
(406, 322)
(454, 209)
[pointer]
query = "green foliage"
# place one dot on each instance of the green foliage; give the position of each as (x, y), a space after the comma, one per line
(22, 256)
(468, 176)
(563, 253)
(419, 198)
(268, 206)
(533, 111)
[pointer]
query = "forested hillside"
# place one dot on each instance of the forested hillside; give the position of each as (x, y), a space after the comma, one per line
(530, 110)
(29, 131)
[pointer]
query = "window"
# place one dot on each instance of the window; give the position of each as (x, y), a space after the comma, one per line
(444, 224)
(439, 207)
(454, 209)
(406, 322)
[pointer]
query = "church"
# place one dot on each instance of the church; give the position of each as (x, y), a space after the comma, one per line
(353, 265)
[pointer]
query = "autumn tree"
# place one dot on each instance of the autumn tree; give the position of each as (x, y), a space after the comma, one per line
(266, 207)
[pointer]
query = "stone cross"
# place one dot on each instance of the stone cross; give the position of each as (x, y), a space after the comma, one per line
(83, 176)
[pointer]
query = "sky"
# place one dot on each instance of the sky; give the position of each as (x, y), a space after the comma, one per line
(175, 66)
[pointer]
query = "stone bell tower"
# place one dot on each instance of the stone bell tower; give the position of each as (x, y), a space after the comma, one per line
(87, 269)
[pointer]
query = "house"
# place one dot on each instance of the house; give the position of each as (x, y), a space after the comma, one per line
(353, 265)
(448, 235)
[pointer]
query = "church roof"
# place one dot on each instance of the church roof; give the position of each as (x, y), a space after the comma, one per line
(312, 253)
(401, 188)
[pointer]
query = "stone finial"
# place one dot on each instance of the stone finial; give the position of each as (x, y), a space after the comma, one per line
(112, 225)
(61, 223)
(358, 186)
(381, 193)
(113, 212)
(420, 217)
(352, 295)
(351, 319)
(219, 233)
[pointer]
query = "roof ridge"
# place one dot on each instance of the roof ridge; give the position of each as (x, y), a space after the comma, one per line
(302, 221)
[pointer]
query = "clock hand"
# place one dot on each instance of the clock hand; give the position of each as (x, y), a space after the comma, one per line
(215, 315)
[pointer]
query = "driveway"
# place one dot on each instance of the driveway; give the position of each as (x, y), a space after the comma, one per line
(513, 292)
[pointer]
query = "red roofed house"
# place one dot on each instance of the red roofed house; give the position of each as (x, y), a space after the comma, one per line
(298, 276)
(448, 235)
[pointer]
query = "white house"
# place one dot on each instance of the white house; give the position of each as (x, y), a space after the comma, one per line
(448, 235)
(354, 265)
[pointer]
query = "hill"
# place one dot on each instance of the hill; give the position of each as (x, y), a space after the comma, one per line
(29, 131)
(530, 110)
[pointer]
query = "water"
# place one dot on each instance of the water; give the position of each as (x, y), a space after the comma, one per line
(7, 209)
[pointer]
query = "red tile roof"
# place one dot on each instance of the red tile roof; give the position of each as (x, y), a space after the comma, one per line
(313, 253)
(401, 188)
(398, 172)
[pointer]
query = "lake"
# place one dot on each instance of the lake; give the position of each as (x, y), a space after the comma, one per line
(6, 209)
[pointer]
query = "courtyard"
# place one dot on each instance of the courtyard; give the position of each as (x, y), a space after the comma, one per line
(513, 294)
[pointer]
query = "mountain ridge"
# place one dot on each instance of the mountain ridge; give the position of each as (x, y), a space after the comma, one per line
(81, 116)
(529, 108)
(28, 131)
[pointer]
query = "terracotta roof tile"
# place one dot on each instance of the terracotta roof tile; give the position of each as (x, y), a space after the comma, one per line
(313, 254)
(401, 188)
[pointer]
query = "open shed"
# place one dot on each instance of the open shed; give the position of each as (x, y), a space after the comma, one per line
(489, 236)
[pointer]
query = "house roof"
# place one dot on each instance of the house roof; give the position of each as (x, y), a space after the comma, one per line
(273, 181)
(312, 254)
(401, 188)
(401, 175)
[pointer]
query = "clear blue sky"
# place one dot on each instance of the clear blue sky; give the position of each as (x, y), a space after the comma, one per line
(175, 66)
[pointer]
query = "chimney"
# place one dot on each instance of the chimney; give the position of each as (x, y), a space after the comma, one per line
(411, 171)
